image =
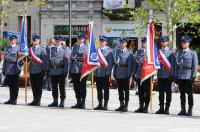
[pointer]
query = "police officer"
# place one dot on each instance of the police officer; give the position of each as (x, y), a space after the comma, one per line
(78, 51)
(10, 69)
(58, 66)
(103, 74)
(144, 89)
(165, 77)
(186, 69)
(37, 69)
(122, 72)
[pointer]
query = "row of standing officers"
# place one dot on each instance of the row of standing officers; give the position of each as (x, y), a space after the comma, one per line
(57, 61)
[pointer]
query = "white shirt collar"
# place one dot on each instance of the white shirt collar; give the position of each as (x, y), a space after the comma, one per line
(13, 45)
(36, 46)
(124, 49)
(186, 49)
(166, 48)
(80, 44)
(103, 47)
(59, 47)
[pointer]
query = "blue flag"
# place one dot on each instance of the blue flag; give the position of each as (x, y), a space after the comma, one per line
(93, 58)
(23, 52)
(156, 59)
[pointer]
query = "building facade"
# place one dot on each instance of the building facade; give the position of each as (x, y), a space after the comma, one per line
(53, 19)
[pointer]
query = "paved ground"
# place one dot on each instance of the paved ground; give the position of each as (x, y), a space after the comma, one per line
(22, 118)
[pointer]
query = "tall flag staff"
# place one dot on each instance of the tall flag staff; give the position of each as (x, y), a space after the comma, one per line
(23, 53)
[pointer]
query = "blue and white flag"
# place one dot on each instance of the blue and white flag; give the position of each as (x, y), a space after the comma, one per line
(23, 52)
(156, 59)
(93, 58)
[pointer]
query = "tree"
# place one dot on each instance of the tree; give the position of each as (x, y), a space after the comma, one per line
(176, 13)
(8, 8)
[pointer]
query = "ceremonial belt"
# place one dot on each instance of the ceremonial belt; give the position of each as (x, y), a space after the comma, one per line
(11, 62)
(185, 68)
(56, 66)
(78, 60)
(122, 65)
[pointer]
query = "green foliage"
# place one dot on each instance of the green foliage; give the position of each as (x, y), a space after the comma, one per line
(3, 44)
(177, 13)
(198, 53)
(180, 12)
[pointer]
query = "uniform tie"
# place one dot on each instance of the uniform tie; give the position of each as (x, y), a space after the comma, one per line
(9, 48)
(56, 49)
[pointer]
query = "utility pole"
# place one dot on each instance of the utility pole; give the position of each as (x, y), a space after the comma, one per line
(70, 19)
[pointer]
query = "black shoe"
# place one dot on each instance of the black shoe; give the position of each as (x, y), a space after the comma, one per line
(119, 108)
(146, 109)
(124, 109)
(53, 104)
(189, 111)
(38, 103)
(160, 111)
(8, 102)
(182, 112)
(75, 106)
(62, 104)
(167, 110)
(14, 102)
(99, 107)
(105, 107)
(82, 106)
(33, 103)
(139, 110)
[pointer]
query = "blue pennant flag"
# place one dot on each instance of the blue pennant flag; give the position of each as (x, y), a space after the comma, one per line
(156, 59)
(23, 52)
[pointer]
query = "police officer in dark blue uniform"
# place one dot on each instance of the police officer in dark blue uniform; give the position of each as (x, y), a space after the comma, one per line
(165, 77)
(122, 72)
(144, 89)
(10, 69)
(78, 51)
(185, 72)
(58, 65)
(38, 67)
(102, 74)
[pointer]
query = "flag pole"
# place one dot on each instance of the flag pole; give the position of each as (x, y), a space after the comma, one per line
(26, 61)
(26, 80)
(151, 97)
(151, 79)
(92, 86)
